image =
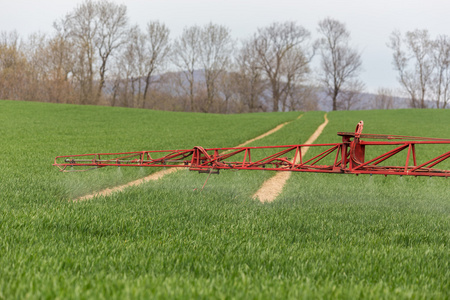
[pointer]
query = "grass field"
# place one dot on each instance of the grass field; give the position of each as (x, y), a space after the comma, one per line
(326, 236)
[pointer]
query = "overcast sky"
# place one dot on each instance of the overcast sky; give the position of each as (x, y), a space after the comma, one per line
(370, 22)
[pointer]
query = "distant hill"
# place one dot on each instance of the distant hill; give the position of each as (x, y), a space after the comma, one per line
(366, 101)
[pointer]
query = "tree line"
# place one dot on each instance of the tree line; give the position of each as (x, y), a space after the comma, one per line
(95, 56)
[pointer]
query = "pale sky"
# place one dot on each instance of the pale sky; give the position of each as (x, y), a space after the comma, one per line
(370, 22)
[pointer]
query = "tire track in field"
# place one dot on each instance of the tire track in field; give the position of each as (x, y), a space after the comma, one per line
(273, 186)
(161, 174)
(109, 191)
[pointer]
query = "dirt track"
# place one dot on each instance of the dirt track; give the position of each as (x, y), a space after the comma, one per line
(272, 187)
(160, 174)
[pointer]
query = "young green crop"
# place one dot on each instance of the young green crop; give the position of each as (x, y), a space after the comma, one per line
(47, 241)
(326, 236)
(34, 133)
(390, 232)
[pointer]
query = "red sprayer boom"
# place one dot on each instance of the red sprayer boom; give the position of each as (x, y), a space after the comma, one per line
(348, 157)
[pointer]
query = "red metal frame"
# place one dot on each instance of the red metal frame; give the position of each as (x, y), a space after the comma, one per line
(349, 157)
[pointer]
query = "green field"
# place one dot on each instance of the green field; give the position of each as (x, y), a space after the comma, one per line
(326, 236)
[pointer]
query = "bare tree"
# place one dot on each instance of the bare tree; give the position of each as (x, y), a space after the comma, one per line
(340, 63)
(13, 67)
(186, 51)
(414, 63)
(441, 77)
(34, 51)
(127, 71)
(216, 46)
(175, 85)
(157, 48)
(82, 30)
(96, 30)
(283, 54)
(140, 59)
(51, 63)
(303, 97)
(384, 99)
(250, 83)
(352, 95)
(295, 70)
(123, 73)
(227, 92)
(61, 60)
(36, 69)
(134, 61)
(112, 34)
